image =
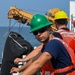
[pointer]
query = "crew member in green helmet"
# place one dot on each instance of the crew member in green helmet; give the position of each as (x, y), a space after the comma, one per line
(53, 50)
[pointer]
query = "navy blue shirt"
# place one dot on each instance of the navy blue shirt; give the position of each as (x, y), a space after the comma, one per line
(60, 55)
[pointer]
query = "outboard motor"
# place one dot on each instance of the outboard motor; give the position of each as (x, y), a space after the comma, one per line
(15, 47)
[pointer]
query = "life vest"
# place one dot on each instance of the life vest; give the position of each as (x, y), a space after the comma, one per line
(68, 36)
(47, 69)
(69, 70)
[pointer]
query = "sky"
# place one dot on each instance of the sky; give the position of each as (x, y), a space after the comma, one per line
(40, 6)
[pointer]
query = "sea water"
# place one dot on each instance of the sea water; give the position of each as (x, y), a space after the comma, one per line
(24, 31)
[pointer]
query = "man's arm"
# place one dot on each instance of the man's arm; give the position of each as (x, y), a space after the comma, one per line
(34, 53)
(14, 69)
(30, 55)
(37, 65)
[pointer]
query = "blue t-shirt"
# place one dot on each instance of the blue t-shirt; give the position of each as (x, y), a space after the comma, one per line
(60, 55)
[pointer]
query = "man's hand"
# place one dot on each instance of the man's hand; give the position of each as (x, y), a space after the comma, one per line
(14, 70)
(17, 60)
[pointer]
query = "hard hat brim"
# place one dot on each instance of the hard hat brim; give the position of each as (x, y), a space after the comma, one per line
(41, 26)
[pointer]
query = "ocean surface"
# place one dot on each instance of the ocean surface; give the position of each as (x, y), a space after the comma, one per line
(24, 31)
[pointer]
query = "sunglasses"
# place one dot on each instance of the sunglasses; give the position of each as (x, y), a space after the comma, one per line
(40, 30)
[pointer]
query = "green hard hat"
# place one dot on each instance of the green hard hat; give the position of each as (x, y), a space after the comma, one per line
(39, 21)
